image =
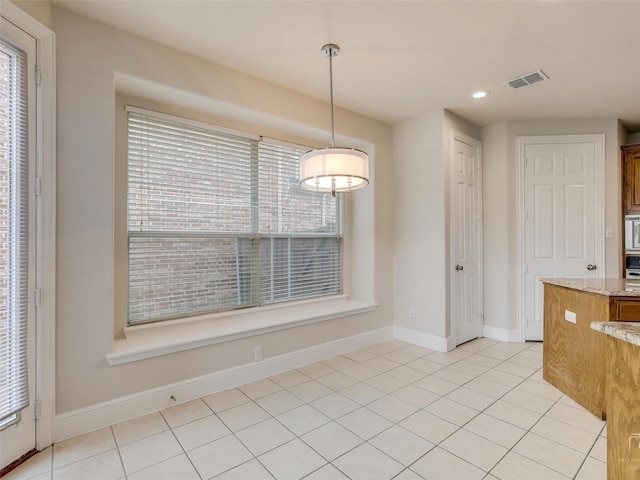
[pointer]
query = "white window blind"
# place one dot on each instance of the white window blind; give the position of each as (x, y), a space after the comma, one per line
(300, 231)
(14, 234)
(217, 220)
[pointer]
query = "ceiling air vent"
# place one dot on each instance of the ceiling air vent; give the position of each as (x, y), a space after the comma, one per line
(528, 79)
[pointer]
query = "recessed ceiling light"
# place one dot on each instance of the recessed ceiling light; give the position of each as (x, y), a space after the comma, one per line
(480, 94)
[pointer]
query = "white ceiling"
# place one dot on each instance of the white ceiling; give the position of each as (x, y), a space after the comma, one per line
(400, 59)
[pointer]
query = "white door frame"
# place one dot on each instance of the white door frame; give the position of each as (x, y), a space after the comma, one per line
(477, 144)
(599, 182)
(45, 219)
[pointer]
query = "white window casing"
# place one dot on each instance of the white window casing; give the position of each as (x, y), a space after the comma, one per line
(217, 220)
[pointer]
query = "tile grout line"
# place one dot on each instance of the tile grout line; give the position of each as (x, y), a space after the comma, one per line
(587, 455)
(407, 467)
(481, 412)
(530, 430)
(186, 454)
(507, 355)
(115, 440)
(396, 423)
(335, 420)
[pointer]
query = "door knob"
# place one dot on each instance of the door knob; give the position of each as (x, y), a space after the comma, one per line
(591, 267)
(460, 267)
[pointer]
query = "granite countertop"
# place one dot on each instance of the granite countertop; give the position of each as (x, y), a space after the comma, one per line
(627, 331)
(612, 287)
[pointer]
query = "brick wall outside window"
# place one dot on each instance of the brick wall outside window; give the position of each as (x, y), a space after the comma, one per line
(219, 221)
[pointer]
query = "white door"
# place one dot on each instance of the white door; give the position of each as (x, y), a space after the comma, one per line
(562, 215)
(17, 242)
(466, 218)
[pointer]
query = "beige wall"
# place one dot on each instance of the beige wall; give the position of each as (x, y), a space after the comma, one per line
(93, 61)
(421, 152)
(419, 223)
(498, 199)
(398, 225)
(40, 10)
(500, 206)
(421, 243)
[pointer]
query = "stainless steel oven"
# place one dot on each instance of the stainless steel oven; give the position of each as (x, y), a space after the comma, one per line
(632, 267)
(632, 234)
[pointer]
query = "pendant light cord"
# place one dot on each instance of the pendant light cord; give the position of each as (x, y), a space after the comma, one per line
(333, 143)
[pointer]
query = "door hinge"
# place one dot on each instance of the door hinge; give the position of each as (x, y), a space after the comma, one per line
(38, 76)
(37, 409)
(37, 296)
(481, 319)
(38, 186)
(526, 269)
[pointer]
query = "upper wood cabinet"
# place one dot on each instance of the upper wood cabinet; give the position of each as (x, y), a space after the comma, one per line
(631, 178)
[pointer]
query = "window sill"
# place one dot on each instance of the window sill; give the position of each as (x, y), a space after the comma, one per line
(156, 339)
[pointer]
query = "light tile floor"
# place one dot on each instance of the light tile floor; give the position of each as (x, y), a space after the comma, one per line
(390, 410)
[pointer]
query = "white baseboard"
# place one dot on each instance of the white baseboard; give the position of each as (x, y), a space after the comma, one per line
(439, 344)
(101, 415)
(501, 334)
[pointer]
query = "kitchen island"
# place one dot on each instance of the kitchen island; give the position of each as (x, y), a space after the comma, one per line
(622, 392)
(574, 355)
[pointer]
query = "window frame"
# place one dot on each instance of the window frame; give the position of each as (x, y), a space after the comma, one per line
(44, 138)
(339, 235)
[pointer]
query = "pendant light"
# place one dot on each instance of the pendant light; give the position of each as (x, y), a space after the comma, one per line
(334, 169)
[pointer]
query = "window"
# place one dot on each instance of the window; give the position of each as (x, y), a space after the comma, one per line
(216, 220)
(14, 234)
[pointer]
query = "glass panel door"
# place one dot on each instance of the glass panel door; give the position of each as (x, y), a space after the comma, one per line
(17, 243)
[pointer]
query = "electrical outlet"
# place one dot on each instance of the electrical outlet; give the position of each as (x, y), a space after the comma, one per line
(570, 316)
(257, 354)
(412, 312)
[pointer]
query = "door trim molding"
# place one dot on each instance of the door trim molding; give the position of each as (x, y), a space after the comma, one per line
(477, 144)
(45, 217)
(598, 140)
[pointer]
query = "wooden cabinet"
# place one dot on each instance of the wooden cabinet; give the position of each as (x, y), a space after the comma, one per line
(623, 419)
(625, 310)
(631, 178)
(630, 190)
(574, 355)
